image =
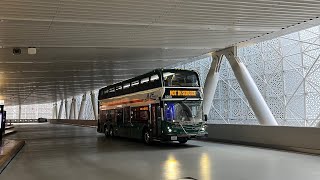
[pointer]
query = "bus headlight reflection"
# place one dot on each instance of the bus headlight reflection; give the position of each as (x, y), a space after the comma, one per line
(171, 168)
(205, 166)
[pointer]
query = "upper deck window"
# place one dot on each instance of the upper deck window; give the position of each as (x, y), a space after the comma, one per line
(154, 78)
(127, 85)
(144, 80)
(176, 78)
(135, 83)
(111, 90)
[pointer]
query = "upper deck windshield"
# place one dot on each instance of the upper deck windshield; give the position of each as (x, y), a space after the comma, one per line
(180, 78)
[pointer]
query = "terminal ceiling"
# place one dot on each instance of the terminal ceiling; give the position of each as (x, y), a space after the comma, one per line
(87, 44)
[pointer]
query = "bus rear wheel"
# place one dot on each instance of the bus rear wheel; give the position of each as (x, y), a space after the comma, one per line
(111, 132)
(106, 131)
(146, 137)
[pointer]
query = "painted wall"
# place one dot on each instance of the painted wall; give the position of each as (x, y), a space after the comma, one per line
(302, 139)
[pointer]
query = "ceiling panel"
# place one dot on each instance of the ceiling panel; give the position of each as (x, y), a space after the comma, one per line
(86, 44)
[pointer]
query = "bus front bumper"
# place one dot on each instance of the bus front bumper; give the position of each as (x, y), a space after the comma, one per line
(177, 137)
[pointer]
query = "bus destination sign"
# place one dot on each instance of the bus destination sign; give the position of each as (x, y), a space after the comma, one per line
(181, 93)
(192, 93)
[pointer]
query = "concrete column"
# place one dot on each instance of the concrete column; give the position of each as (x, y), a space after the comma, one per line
(60, 110)
(54, 111)
(249, 88)
(83, 102)
(71, 109)
(75, 108)
(66, 108)
(211, 83)
(94, 105)
(19, 115)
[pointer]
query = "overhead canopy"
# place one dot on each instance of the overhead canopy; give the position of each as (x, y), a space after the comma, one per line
(87, 44)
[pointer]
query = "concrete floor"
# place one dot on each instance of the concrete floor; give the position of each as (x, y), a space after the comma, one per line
(60, 152)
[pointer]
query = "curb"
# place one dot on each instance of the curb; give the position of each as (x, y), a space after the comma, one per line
(8, 132)
(9, 150)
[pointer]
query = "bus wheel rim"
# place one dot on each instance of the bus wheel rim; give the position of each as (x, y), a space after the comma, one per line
(106, 131)
(146, 137)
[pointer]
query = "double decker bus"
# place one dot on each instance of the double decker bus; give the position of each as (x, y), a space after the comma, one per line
(164, 105)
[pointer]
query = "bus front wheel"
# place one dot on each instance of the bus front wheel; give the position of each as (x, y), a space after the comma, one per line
(146, 137)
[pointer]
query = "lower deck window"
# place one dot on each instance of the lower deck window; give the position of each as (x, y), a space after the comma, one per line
(140, 113)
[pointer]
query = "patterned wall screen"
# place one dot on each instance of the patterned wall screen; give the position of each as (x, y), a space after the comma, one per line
(33, 111)
(286, 71)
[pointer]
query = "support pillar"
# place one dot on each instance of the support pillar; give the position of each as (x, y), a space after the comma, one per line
(66, 108)
(75, 108)
(19, 115)
(54, 111)
(94, 105)
(211, 83)
(249, 88)
(2, 126)
(71, 109)
(60, 110)
(83, 102)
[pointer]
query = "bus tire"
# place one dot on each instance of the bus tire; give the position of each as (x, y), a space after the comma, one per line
(98, 128)
(106, 131)
(146, 137)
(111, 132)
(183, 141)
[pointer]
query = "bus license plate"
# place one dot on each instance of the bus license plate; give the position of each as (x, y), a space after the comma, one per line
(174, 138)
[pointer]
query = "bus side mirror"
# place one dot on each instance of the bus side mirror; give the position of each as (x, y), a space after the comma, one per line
(205, 117)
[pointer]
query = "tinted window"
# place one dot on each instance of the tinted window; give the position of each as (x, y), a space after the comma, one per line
(112, 115)
(140, 113)
(126, 114)
(180, 79)
(119, 116)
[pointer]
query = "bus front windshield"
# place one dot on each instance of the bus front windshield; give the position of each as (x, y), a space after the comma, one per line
(178, 111)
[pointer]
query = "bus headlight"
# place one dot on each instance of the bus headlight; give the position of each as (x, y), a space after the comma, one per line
(169, 130)
(203, 128)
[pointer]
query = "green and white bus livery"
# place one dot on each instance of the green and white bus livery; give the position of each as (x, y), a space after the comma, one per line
(165, 105)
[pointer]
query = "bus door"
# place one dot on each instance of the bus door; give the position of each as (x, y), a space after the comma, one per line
(127, 122)
(155, 119)
(119, 120)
